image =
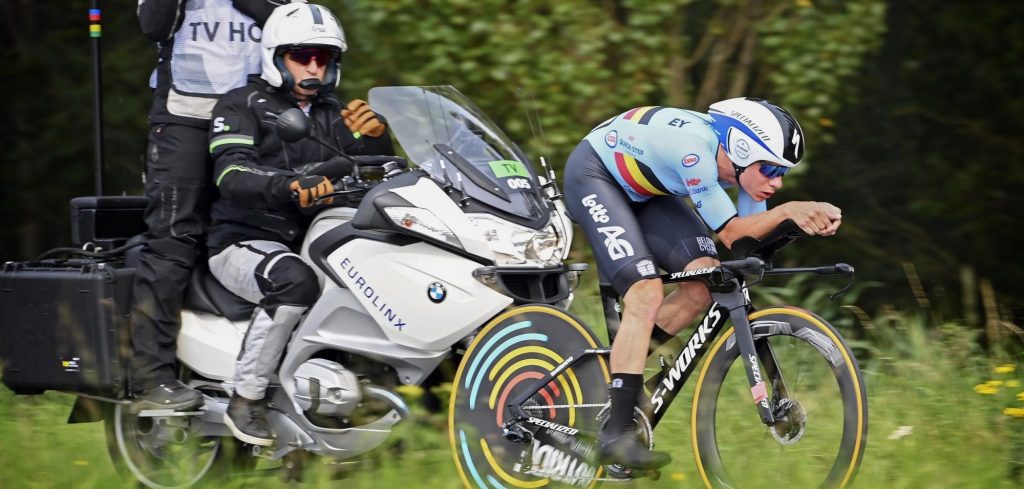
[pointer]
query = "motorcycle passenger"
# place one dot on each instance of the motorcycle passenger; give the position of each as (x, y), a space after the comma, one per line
(195, 67)
(624, 185)
(269, 187)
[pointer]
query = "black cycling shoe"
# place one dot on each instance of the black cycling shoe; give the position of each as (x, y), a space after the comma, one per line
(626, 450)
(247, 420)
(172, 395)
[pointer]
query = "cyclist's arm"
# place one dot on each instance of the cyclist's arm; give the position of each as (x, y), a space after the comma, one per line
(814, 218)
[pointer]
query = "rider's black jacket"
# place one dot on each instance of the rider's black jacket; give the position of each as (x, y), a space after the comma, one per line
(253, 166)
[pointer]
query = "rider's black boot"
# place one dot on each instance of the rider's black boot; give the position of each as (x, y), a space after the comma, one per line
(618, 443)
(626, 450)
(247, 420)
(172, 395)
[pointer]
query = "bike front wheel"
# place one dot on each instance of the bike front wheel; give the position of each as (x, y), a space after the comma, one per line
(815, 391)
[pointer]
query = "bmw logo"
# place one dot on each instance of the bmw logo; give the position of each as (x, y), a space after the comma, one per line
(436, 293)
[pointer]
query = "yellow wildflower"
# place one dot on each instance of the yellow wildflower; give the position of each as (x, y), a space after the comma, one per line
(678, 476)
(994, 383)
(1015, 412)
(1012, 383)
(826, 122)
(986, 389)
(1007, 368)
(1020, 396)
(804, 3)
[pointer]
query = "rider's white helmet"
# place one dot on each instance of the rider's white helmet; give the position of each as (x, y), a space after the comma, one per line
(300, 24)
(752, 129)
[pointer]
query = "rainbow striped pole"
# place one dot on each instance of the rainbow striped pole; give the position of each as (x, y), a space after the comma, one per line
(95, 31)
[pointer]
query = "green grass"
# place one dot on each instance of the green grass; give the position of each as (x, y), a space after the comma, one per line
(917, 377)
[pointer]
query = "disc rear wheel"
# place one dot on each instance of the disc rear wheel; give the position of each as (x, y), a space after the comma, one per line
(507, 357)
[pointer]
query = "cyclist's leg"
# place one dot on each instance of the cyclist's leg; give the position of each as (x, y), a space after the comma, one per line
(679, 240)
(599, 206)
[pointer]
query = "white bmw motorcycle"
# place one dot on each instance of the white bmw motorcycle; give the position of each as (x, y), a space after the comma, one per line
(428, 258)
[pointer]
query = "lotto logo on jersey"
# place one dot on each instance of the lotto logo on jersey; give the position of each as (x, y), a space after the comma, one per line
(690, 160)
(597, 211)
(612, 138)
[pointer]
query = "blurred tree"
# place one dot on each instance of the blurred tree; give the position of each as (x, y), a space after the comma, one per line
(586, 60)
(581, 60)
(47, 125)
(925, 164)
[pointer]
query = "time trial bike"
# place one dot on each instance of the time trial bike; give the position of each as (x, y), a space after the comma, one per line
(779, 399)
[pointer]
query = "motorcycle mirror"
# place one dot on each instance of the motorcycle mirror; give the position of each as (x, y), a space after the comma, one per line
(292, 125)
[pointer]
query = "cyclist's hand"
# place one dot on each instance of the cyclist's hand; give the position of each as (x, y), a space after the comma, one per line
(361, 120)
(306, 190)
(815, 218)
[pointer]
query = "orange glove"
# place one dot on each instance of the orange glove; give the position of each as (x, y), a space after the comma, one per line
(305, 190)
(361, 120)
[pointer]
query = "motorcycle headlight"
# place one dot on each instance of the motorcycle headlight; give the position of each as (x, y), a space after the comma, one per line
(513, 244)
(422, 221)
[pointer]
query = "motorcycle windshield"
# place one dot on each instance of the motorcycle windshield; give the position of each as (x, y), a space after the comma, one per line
(449, 137)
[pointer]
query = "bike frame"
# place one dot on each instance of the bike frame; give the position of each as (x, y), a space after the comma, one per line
(730, 300)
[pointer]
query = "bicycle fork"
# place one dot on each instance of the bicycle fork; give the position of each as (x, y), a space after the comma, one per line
(753, 355)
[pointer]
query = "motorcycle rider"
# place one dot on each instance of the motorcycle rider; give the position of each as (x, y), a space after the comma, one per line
(268, 188)
(623, 186)
(193, 71)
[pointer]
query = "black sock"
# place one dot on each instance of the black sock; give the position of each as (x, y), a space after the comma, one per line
(623, 391)
(658, 337)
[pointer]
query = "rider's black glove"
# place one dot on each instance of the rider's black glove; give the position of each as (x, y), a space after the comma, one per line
(334, 168)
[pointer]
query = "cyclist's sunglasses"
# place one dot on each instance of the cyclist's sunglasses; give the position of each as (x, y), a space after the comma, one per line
(303, 56)
(772, 171)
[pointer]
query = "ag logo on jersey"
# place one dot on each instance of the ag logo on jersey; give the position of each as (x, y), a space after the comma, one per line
(690, 160)
(437, 293)
(617, 248)
(612, 138)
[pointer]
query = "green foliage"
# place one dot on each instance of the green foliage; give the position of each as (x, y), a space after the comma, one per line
(584, 61)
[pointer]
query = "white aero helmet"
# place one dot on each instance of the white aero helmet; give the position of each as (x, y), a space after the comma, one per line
(295, 25)
(752, 129)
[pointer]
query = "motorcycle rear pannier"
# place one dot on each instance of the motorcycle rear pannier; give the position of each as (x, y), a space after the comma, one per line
(64, 326)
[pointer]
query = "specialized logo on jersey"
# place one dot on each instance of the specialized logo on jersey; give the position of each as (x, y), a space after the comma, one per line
(641, 115)
(638, 176)
(436, 293)
(690, 160)
(612, 138)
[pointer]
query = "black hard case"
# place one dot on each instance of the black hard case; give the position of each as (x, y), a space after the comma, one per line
(65, 326)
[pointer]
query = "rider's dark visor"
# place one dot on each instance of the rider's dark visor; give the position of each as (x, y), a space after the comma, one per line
(772, 171)
(303, 56)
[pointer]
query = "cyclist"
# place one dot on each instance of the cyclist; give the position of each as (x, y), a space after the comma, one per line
(624, 185)
(268, 186)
